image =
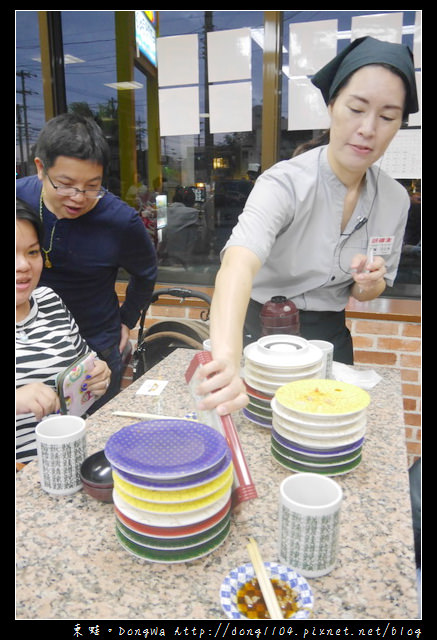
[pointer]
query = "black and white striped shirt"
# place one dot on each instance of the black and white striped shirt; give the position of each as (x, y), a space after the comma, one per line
(47, 341)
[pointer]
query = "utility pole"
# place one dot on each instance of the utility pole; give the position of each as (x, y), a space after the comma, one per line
(24, 74)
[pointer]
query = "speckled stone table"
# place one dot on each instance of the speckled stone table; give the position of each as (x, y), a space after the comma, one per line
(71, 566)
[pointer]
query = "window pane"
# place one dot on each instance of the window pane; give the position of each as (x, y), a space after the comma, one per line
(90, 66)
(407, 283)
(220, 167)
(30, 100)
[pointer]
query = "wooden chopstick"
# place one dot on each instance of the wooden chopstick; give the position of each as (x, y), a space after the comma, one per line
(149, 416)
(264, 581)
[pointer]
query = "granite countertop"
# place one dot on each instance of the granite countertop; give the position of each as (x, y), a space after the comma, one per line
(70, 564)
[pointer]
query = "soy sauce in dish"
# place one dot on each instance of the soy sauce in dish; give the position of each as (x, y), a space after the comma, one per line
(250, 601)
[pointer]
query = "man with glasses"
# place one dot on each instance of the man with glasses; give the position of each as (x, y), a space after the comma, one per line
(89, 234)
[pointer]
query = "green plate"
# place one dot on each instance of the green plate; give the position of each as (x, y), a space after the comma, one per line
(258, 411)
(173, 543)
(320, 461)
(174, 555)
(330, 470)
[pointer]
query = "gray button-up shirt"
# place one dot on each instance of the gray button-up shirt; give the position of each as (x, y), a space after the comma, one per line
(292, 222)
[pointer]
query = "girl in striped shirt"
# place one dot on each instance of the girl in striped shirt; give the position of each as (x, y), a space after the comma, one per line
(47, 339)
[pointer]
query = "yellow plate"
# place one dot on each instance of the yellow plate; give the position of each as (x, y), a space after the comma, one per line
(322, 397)
(175, 508)
(181, 495)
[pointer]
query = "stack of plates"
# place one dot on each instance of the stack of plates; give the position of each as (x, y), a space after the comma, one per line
(319, 426)
(271, 362)
(172, 489)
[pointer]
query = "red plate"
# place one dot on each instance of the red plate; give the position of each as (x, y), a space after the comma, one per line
(257, 394)
(170, 532)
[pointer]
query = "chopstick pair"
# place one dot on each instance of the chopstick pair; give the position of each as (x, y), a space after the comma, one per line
(264, 581)
(149, 416)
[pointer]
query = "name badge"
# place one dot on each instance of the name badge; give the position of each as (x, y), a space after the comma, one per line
(381, 245)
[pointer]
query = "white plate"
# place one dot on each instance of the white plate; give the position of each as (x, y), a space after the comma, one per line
(321, 434)
(319, 454)
(312, 421)
(320, 443)
(280, 374)
(238, 577)
(283, 352)
(261, 386)
(275, 381)
(165, 519)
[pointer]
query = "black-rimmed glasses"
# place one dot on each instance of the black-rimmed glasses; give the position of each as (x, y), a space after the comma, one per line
(73, 191)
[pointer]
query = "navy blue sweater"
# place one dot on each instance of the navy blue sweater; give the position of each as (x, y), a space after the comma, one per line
(86, 255)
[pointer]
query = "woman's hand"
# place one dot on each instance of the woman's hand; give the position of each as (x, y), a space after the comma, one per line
(369, 277)
(220, 383)
(221, 387)
(37, 398)
(99, 378)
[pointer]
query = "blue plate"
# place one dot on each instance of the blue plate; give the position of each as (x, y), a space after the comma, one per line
(238, 577)
(166, 449)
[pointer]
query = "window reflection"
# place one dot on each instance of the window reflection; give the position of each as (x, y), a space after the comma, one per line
(29, 91)
(407, 283)
(219, 168)
(89, 41)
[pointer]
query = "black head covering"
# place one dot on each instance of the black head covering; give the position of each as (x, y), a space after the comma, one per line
(364, 51)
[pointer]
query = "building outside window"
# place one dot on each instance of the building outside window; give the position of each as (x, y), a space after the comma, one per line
(104, 73)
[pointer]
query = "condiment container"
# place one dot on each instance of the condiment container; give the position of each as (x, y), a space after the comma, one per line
(280, 315)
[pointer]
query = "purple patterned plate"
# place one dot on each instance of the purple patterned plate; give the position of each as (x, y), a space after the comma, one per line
(253, 417)
(188, 482)
(166, 449)
(294, 446)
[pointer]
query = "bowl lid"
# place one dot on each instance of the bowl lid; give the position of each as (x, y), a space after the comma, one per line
(96, 470)
(283, 351)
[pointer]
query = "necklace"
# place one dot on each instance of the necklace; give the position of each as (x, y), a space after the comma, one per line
(47, 261)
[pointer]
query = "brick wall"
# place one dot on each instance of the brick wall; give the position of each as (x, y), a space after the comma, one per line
(391, 343)
(390, 337)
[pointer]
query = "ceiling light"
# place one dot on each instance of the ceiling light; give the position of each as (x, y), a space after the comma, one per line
(124, 85)
(68, 59)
